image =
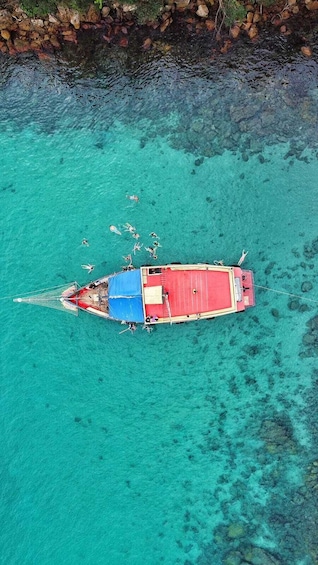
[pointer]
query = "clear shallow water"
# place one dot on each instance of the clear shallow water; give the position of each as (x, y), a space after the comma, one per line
(187, 444)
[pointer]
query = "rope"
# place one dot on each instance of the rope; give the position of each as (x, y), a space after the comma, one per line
(35, 292)
(36, 298)
(288, 293)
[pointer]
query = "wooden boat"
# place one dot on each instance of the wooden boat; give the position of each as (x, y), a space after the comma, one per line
(150, 295)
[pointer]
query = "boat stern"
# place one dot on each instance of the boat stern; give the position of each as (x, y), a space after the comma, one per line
(248, 288)
(244, 289)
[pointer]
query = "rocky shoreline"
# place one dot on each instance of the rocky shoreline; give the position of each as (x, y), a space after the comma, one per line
(20, 33)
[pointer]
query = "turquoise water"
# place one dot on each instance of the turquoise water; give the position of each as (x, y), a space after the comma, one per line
(190, 444)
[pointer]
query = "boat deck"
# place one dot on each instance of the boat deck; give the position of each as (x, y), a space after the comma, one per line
(173, 292)
(93, 297)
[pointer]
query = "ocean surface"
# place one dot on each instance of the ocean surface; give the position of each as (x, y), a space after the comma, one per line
(195, 444)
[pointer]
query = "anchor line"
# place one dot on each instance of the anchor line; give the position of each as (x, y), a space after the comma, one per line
(285, 292)
(39, 291)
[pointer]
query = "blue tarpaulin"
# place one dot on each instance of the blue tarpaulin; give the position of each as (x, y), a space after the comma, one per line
(124, 296)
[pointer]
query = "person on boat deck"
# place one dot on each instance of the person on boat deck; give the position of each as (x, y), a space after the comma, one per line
(151, 319)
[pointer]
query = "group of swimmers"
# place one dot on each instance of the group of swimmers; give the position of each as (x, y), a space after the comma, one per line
(152, 249)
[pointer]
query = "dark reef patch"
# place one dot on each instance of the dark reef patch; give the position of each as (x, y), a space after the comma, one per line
(310, 339)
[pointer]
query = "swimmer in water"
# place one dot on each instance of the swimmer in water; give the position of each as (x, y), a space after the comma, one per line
(152, 252)
(88, 268)
(137, 247)
(85, 242)
(242, 258)
(132, 197)
(154, 235)
(129, 228)
(114, 230)
(132, 327)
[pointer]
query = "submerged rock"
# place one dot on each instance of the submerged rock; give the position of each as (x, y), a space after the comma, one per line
(278, 435)
(233, 558)
(310, 338)
(243, 112)
(293, 304)
(313, 323)
(306, 286)
(311, 250)
(269, 268)
(260, 556)
(306, 50)
(312, 477)
(235, 530)
(314, 245)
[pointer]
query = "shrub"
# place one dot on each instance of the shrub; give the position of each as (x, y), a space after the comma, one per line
(147, 10)
(41, 8)
(233, 11)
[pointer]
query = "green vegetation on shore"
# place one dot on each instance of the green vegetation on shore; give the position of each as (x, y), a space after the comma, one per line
(146, 10)
(41, 8)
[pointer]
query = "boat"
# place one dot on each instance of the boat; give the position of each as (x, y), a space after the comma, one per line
(151, 295)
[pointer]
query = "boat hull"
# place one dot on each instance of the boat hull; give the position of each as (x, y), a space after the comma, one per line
(167, 294)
